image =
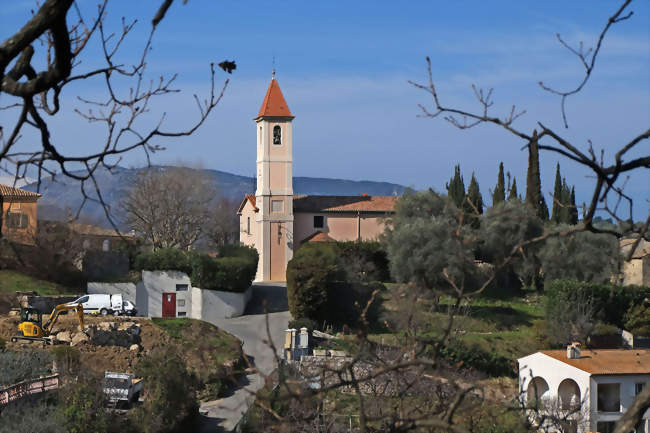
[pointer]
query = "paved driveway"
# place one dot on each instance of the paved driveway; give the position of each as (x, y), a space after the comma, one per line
(223, 414)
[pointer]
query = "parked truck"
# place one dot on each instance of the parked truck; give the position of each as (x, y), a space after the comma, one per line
(121, 389)
(106, 304)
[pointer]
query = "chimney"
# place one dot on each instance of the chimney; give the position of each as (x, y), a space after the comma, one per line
(573, 350)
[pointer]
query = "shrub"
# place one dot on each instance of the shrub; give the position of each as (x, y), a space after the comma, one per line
(81, 406)
(309, 273)
(607, 303)
(19, 366)
(169, 391)
(321, 289)
(233, 271)
(303, 323)
(473, 355)
(637, 319)
(67, 358)
(163, 259)
(365, 261)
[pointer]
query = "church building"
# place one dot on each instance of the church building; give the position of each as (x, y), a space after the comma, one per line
(277, 222)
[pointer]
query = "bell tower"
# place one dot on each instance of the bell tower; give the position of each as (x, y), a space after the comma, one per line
(274, 193)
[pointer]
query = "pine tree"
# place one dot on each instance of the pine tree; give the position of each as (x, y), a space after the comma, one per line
(534, 196)
(574, 208)
(474, 198)
(499, 194)
(512, 194)
(557, 197)
(456, 188)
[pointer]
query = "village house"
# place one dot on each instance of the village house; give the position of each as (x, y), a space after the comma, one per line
(275, 221)
(18, 221)
(591, 388)
(636, 271)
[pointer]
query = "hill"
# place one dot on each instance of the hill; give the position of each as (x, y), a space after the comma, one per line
(64, 195)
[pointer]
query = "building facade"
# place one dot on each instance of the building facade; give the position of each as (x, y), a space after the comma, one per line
(275, 221)
(584, 390)
(18, 221)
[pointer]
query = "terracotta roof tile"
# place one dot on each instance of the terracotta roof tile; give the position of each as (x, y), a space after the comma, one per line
(8, 191)
(274, 104)
(247, 198)
(332, 203)
(319, 236)
(607, 361)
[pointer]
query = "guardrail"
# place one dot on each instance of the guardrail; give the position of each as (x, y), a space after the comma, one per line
(28, 387)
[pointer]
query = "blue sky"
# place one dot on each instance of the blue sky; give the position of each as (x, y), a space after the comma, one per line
(344, 69)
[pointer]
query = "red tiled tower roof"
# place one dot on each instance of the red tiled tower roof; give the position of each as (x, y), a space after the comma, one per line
(274, 104)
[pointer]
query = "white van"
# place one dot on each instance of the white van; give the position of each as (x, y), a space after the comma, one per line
(105, 304)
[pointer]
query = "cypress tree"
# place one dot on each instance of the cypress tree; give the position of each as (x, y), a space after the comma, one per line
(512, 194)
(557, 197)
(534, 196)
(456, 188)
(573, 212)
(565, 211)
(474, 196)
(499, 194)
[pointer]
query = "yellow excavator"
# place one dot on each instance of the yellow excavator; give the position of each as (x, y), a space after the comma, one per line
(30, 327)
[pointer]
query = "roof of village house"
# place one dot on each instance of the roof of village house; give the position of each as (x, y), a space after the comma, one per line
(274, 104)
(642, 248)
(333, 203)
(607, 361)
(252, 199)
(8, 191)
(319, 236)
(81, 229)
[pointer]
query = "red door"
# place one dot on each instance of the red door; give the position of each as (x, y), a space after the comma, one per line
(169, 305)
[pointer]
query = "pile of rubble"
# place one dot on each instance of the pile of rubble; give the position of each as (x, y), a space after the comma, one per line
(123, 334)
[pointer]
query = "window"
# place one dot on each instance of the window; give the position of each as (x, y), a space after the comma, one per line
(83, 300)
(277, 206)
(319, 221)
(605, 426)
(638, 388)
(248, 225)
(106, 245)
(16, 220)
(181, 287)
(180, 302)
(14, 206)
(182, 314)
(609, 397)
(277, 135)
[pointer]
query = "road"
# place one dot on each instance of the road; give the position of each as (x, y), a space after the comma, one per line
(223, 415)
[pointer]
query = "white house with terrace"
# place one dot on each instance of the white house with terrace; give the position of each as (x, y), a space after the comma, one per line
(591, 389)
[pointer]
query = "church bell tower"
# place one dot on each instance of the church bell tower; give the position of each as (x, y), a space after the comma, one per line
(274, 193)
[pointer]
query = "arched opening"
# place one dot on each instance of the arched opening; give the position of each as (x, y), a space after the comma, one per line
(569, 394)
(536, 391)
(277, 134)
(106, 245)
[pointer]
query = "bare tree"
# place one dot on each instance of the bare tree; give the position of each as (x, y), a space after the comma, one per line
(58, 35)
(169, 207)
(223, 227)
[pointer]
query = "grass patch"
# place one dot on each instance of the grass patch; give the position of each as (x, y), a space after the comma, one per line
(173, 327)
(12, 281)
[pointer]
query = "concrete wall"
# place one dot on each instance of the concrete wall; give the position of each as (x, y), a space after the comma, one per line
(210, 305)
(626, 382)
(127, 290)
(155, 283)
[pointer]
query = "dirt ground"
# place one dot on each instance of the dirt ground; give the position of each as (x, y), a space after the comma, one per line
(193, 347)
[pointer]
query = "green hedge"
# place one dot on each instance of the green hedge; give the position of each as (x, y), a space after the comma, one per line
(232, 271)
(474, 356)
(610, 302)
(321, 288)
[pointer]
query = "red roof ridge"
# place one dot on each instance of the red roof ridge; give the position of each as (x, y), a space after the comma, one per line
(274, 104)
